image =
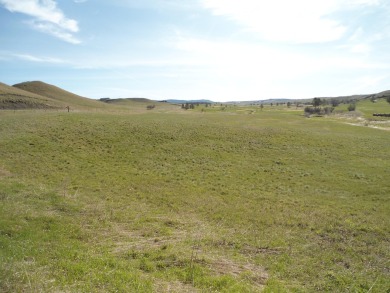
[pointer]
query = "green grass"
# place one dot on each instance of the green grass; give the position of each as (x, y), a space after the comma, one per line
(224, 200)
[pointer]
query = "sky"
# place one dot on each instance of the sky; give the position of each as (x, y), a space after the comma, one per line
(222, 50)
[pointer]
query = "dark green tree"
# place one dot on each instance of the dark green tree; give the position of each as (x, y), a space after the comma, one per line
(334, 102)
(316, 102)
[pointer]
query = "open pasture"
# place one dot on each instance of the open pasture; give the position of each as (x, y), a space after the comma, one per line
(232, 200)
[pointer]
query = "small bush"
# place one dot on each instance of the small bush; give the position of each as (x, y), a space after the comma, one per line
(352, 107)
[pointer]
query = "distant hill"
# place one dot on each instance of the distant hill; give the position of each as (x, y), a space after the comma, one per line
(383, 94)
(140, 105)
(173, 101)
(126, 100)
(341, 99)
(268, 101)
(52, 92)
(40, 95)
(16, 98)
(346, 99)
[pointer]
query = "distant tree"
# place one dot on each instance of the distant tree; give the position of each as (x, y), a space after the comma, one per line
(261, 107)
(316, 102)
(388, 99)
(272, 104)
(335, 102)
(288, 104)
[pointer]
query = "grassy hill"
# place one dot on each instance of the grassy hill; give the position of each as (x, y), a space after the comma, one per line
(228, 199)
(40, 95)
(55, 93)
(15, 98)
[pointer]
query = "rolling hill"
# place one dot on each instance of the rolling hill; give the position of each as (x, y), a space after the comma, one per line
(57, 94)
(16, 98)
(40, 95)
(383, 94)
(141, 104)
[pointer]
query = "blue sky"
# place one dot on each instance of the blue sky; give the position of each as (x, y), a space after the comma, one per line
(221, 50)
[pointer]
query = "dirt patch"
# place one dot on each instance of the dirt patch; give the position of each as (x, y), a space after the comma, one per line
(256, 274)
(357, 120)
(4, 172)
(173, 287)
(370, 125)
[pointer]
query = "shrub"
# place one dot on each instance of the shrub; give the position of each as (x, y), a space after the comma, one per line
(318, 110)
(352, 107)
(328, 110)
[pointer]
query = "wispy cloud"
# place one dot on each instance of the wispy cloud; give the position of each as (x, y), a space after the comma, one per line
(47, 17)
(299, 21)
(7, 56)
(32, 58)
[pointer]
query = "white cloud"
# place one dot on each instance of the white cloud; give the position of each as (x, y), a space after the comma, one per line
(32, 58)
(6, 55)
(299, 21)
(55, 31)
(47, 17)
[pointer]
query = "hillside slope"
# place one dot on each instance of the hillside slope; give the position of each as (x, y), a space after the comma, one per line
(16, 98)
(55, 93)
(383, 94)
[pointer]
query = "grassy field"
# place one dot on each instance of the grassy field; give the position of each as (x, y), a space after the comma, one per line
(216, 199)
